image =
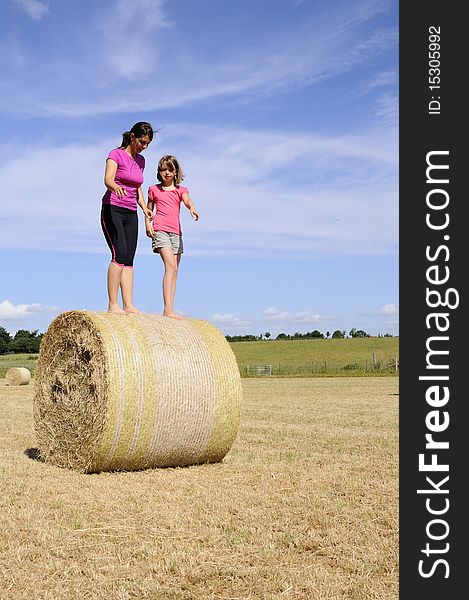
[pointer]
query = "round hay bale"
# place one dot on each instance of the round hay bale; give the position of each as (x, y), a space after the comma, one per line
(18, 376)
(127, 392)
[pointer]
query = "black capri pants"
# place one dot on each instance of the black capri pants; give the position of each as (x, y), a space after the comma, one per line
(120, 228)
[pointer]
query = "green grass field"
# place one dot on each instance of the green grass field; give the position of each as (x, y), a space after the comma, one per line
(311, 358)
(8, 361)
(300, 358)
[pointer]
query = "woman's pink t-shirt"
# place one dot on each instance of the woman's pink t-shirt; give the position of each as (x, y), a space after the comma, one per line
(129, 175)
(168, 207)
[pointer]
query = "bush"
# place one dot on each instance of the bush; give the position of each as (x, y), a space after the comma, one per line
(3, 346)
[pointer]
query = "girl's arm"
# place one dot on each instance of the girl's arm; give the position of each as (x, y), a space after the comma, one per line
(190, 205)
(109, 175)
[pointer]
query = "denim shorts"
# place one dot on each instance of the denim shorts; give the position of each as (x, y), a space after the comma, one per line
(167, 239)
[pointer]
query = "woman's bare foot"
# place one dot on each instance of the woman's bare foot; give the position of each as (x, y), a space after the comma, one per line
(115, 309)
(172, 315)
(132, 310)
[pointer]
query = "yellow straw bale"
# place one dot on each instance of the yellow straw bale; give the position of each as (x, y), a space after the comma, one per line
(128, 392)
(18, 376)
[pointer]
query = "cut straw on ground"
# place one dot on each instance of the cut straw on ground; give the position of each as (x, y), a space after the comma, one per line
(304, 507)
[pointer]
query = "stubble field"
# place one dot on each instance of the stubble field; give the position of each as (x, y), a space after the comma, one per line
(304, 506)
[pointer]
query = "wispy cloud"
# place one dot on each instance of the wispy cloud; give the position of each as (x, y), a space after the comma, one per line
(229, 320)
(33, 8)
(383, 79)
(129, 45)
(275, 314)
(389, 310)
(136, 22)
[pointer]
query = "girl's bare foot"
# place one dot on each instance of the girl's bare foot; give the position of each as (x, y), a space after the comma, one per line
(172, 315)
(132, 310)
(115, 309)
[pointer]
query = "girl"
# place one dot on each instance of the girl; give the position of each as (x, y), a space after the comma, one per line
(123, 178)
(166, 231)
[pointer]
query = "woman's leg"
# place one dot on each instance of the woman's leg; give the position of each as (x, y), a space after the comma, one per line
(127, 286)
(169, 281)
(112, 226)
(114, 278)
(127, 280)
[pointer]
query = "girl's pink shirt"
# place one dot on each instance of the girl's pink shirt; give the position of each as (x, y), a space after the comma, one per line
(168, 207)
(129, 175)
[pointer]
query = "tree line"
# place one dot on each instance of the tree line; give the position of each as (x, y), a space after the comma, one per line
(23, 342)
(309, 335)
(28, 342)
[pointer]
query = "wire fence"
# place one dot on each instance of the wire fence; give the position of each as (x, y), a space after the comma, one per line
(372, 367)
(314, 368)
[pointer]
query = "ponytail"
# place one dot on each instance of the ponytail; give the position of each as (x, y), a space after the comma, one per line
(125, 139)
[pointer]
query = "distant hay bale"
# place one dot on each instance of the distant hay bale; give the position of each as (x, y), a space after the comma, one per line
(18, 376)
(128, 392)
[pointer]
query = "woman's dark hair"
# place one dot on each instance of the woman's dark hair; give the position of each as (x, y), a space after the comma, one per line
(139, 130)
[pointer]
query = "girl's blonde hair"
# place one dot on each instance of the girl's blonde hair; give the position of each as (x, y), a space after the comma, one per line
(173, 164)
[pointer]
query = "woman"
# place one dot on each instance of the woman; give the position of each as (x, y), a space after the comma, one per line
(123, 179)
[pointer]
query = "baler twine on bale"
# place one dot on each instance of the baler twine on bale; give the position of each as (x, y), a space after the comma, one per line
(18, 376)
(128, 392)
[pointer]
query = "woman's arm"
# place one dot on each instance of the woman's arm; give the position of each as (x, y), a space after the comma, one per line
(141, 202)
(190, 205)
(109, 175)
(148, 221)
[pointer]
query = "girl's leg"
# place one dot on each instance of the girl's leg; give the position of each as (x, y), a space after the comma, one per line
(169, 281)
(173, 291)
(114, 278)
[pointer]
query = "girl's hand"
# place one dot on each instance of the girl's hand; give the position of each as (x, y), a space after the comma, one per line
(194, 214)
(148, 213)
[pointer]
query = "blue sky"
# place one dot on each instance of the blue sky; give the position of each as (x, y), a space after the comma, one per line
(284, 116)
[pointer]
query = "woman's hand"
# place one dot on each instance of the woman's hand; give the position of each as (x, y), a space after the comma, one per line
(148, 213)
(120, 192)
(149, 228)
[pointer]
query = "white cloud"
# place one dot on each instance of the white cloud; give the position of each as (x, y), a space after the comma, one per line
(303, 316)
(20, 312)
(33, 8)
(229, 320)
(389, 310)
(67, 215)
(349, 206)
(276, 313)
